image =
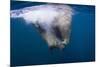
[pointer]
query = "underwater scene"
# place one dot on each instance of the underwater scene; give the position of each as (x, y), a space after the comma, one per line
(28, 47)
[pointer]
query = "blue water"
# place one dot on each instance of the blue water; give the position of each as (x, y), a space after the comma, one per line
(28, 47)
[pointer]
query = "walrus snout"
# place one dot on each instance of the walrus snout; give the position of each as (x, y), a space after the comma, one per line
(53, 21)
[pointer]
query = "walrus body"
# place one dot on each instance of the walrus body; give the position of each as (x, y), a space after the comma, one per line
(52, 20)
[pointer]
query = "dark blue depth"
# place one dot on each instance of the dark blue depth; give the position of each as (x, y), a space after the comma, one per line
(28, 47)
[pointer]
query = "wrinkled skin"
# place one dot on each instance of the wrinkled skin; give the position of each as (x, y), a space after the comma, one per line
(53, 21)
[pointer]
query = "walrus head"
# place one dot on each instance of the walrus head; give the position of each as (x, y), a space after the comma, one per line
(53, 21)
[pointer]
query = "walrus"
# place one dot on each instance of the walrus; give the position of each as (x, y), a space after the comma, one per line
(53, 21)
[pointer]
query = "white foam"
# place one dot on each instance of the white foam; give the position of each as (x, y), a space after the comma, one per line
(42, 16)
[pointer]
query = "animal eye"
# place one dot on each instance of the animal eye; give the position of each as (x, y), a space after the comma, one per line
(41, 29)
